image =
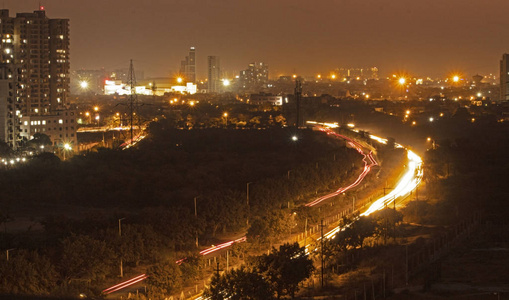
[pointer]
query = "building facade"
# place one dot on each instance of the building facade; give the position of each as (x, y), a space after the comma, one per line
(188, 66)
(34, 75)
(214, 74)
(504, 77)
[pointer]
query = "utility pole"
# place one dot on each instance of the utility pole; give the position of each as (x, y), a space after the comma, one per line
(321, 254)
(406, 264)
(217, 269)
(227, 260)
(195, 208)
(247, 193)
(306, 231)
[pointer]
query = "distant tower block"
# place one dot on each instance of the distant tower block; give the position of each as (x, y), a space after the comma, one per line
(188, 66)
(504, 78)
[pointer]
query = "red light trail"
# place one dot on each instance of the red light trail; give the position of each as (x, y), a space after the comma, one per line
(367, 168)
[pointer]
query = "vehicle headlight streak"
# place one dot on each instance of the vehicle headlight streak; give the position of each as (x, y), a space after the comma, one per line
(408, 182)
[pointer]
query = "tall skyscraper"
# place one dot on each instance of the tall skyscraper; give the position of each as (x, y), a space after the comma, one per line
(34, 78)
(214, 74)
(188, 66)
(504, 78)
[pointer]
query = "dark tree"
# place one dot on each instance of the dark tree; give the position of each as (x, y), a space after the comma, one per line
(239, 284)
(285, 268)
(27, 273)
(164, 279)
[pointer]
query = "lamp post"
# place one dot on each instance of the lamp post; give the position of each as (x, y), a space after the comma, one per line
(225, 115)
(247, 202)
(120, 234)
(196, 217)
(7, 253)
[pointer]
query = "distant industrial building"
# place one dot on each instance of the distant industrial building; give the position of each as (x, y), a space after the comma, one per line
(188, 66)
(214, 74)
(34, 78)
(504, 77)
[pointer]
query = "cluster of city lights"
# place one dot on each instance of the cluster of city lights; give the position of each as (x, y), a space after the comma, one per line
(13, 161)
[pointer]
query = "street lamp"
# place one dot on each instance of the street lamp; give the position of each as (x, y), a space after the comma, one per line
(433, 144)
(226, 118)
(83, 84)
(67, 147)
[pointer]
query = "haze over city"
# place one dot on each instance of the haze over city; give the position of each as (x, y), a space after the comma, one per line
(426, 38)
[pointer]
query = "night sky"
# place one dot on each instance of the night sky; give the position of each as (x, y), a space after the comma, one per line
(427, 37)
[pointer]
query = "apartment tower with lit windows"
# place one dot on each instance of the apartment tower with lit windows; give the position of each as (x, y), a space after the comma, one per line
(34, 78)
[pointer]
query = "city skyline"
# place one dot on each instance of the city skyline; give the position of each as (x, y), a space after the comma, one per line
(432, 38)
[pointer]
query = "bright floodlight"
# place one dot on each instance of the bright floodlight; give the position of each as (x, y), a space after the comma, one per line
(402, 80)
(225, 114)
(226, 82)
(84, 84)
(431, 119)
(333, 76)
(295, 138)
(67, 146)
(456, 78)
(179, 79)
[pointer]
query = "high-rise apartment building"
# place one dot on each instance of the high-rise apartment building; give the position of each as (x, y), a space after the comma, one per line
(504, 78)
(214, 74)
(34, 78)
(188, 66)
(255, 76)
